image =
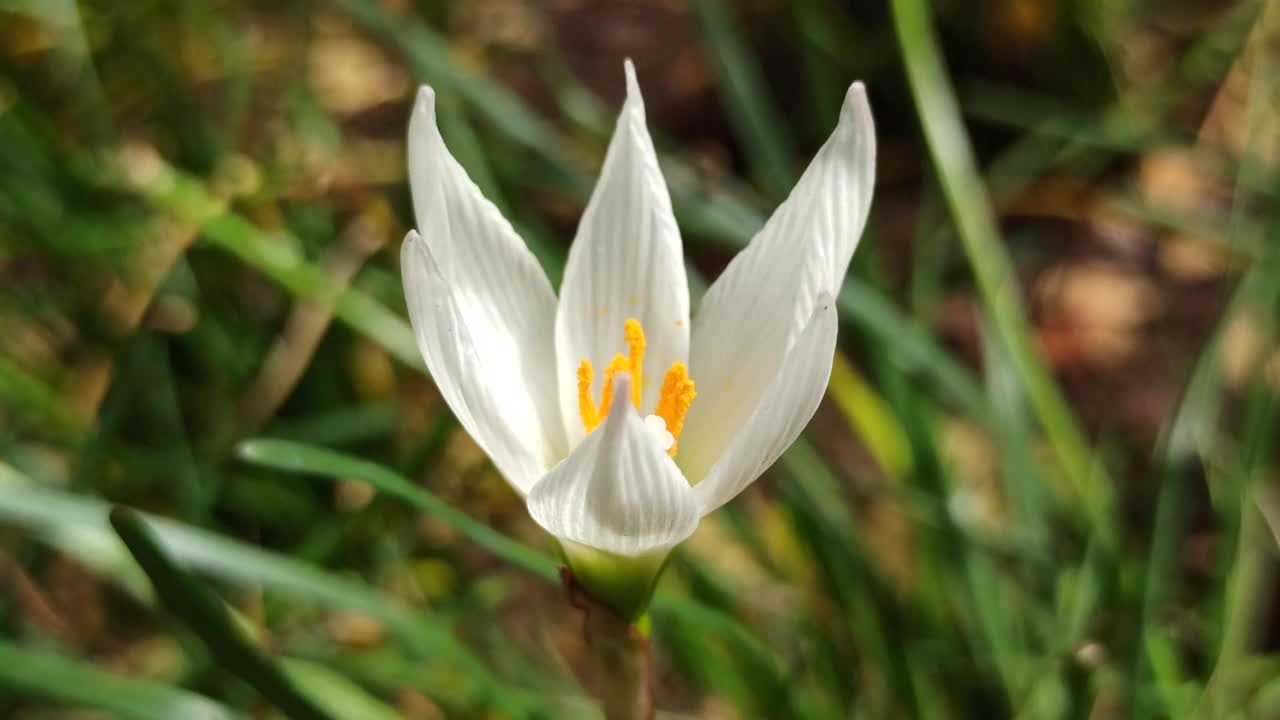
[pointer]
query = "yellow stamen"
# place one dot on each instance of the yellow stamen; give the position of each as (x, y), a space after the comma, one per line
(635, 341)
(618, 364)
(673, 404)
(586, 406)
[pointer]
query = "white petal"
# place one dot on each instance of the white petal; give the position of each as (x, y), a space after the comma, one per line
(501, 294)
(626, 262)
(752, 314)
(618, 491)
(788, 403)
(493, 408)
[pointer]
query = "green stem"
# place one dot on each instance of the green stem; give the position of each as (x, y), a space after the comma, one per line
(619, 652)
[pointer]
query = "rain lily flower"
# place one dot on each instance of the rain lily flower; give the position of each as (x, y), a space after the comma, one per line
(619, 421)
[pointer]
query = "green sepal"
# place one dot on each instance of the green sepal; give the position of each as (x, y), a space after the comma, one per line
(622, 583)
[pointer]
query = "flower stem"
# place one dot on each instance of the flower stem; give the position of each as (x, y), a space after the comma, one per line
(619, 657)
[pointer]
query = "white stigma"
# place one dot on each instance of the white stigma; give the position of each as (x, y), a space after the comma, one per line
(658, 429)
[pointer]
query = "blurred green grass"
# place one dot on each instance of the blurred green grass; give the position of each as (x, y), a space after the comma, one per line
(1040, 487)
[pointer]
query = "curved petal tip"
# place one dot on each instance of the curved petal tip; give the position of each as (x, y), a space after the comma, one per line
(410, 237)
(411, 240)
(634, 99)
(426, 101)
(856, 108)
(422, 122)
(417, 262)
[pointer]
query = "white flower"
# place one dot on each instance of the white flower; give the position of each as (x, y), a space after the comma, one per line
(621, 482)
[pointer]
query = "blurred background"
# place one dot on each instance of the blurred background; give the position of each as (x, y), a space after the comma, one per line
(1042, 483)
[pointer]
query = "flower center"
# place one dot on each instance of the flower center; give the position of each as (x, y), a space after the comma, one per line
(673, 402)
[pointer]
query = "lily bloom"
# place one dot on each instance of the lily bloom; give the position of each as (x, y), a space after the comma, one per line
(619, 421)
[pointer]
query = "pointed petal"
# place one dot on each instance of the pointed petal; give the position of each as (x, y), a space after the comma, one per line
(753, 312)
(626, 262)
(492, 406)
(788, 403)
(502, 296)
(618, 492)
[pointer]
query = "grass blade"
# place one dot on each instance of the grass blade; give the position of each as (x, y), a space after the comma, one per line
(184, 196)
(79, 526)
(205, 614)
(742, 87)
(971, 209)
(299, 458)
(336, 691)
(871, 418)
(71, 682)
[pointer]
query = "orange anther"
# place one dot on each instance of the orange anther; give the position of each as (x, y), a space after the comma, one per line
(586, 406)
(673, 402)
(677, 395)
